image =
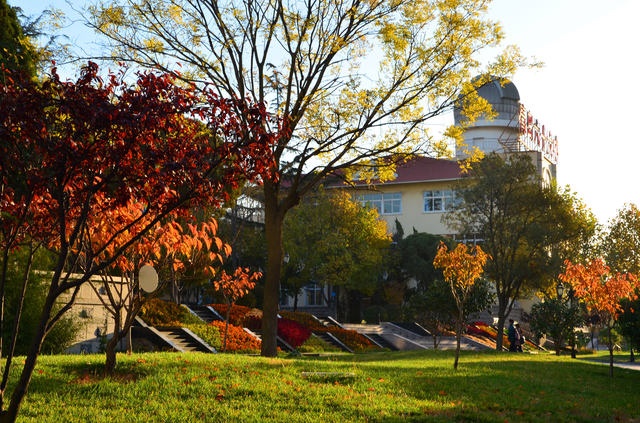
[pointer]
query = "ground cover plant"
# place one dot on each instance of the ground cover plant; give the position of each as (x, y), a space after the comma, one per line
(374, 387)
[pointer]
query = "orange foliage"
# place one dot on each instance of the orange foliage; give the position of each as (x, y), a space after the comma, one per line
(462, 266)
(237, 338)
(599, 289)
(233, 287)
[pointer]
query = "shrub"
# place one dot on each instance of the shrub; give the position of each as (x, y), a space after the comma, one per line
(208, 333)
(292, 332)
(237, 315)
(316, 345)
(237, 339)
(304, 319)
(351, 338)
(157, 312)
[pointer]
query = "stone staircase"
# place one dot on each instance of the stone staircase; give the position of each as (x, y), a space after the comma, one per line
(206, 313)
(402, 337)
(176, 338)
(183, 340)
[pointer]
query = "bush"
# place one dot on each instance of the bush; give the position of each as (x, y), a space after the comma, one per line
(157, 312)
(237, 315)
(237, 339)
(316, 345)
(208, 333)
(292, 332)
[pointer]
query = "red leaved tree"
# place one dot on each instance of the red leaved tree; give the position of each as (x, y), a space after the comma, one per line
(601, 291)
(233, 287)
(72, 151)
(174, 245)
(461, 268)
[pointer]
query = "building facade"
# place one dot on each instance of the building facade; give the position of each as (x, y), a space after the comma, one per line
(422, 190)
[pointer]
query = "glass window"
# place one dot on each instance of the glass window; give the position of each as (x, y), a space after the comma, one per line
(438, 200)
(385, 203)
(314, 294)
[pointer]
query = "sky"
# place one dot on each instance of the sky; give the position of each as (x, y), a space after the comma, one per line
(586, 92)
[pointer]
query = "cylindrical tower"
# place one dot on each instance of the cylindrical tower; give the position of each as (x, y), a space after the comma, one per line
(512, 130)
(501, 133)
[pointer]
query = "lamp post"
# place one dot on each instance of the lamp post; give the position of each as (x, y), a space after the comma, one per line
(560, 290)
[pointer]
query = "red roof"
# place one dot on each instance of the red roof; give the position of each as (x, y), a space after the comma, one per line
(423, 169)
(420, 169)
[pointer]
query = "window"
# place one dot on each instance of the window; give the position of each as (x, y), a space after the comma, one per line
(439, 201)
(385, 203)
(314, 294)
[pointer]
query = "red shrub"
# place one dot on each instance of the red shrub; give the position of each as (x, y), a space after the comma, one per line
(292, 332)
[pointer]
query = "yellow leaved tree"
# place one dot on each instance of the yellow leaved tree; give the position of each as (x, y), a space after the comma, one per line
(350, 83)
(461, 268)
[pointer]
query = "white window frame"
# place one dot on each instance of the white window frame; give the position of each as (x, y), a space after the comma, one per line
(385, 202)
(438, 200)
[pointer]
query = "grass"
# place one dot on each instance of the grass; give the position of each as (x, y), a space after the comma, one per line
(372, 387)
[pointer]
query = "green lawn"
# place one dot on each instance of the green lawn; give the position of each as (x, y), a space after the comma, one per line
(373, 387)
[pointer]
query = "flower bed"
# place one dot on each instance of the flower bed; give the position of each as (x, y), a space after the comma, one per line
(237, 315)
(237, 339)
(160, 313)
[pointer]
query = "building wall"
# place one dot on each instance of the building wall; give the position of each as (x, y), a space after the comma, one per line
(93, 318)
(412, 214)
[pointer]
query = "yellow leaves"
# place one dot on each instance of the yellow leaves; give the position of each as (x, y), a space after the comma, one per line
(110, 16)
(462, 266)
(153, 44)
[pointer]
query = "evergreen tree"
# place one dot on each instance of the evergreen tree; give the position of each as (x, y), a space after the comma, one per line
(17, 52)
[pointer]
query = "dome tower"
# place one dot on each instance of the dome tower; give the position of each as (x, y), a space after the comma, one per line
(512, 130)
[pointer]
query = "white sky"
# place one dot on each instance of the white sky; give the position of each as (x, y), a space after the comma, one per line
(585, 94)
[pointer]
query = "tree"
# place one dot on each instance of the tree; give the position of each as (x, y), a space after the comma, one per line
(304, 58)
(525, 226)
(17, 50)
(334, 241)
(621, 241)
(621, 248)
(177, 245)
(557, 320)
(461, 267)
(233, 287)
(72, 151)
(601, 292)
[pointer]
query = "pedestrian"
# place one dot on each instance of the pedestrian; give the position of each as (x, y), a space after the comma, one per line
(519, 337)
(511, 336)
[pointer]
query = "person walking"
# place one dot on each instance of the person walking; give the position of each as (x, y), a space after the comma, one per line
(511, 336)
(519, 337)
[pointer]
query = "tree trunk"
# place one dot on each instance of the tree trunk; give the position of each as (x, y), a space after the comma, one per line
(273, 234)
(10, 415)
(458, 336)
(110, 355)
(112, 344)
(611, 360)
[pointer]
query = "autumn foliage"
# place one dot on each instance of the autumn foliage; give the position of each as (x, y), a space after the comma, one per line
(87, 168)
(598, 288)
(461, 268)
(601, 291)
